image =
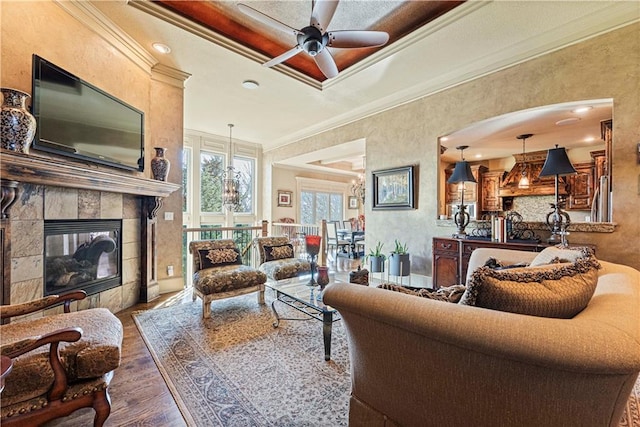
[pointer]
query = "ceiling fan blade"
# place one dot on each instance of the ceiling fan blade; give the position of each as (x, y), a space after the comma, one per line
(325, 62)
(322, 14)
(267, 20)
(283, 57)
(351, 38)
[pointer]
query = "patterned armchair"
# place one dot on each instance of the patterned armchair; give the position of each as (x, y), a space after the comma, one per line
(218, 273)
(277, 258)
(60, 363)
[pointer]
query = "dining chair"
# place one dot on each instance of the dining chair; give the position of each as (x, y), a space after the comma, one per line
(346, 224)
(335, 241)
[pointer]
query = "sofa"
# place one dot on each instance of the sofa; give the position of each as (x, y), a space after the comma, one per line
(422, 362)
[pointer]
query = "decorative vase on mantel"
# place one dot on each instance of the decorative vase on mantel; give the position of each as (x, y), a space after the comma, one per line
(160, 165)
(18, 126)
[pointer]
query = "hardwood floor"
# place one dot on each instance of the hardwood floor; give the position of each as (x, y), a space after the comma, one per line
(139, 395)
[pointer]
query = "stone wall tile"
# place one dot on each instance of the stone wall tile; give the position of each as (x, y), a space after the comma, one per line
(60, 203)
(88, 204)
(26, 268)
(27, 237)
(110, 205)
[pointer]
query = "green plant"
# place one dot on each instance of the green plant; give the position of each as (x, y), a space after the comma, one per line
(400, 249)
(376, 252)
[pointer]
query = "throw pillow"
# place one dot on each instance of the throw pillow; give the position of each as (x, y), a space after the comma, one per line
(499, 265)
(447, 294)
(218, 257)
(557, 290)
(555, 254)
(272, 253)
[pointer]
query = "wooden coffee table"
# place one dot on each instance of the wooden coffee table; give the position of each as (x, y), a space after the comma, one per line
(296, 293)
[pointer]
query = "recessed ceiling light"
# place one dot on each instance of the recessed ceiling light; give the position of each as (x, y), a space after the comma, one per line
(162, 48)
(569, 121)
(478, 156)
(444, 138)
(250, 84)
(580, 110)
(589, 139)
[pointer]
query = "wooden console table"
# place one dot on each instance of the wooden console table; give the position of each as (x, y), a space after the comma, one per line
(451, 257)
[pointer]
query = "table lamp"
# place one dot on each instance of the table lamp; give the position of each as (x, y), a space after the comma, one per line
(461, 174)
(557, 164)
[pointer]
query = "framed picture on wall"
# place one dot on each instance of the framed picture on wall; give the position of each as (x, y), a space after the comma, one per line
(394, 189)
(284, 198)
(353, 202)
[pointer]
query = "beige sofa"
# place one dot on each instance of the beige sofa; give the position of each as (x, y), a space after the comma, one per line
(420, 362)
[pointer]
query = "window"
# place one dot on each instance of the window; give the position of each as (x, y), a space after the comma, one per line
(317, 205)
(211, 169)
(246, 167)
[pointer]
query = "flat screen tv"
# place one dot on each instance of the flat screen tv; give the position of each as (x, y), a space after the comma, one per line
(76, 119)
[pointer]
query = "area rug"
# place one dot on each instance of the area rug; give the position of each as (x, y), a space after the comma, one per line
(236, 369)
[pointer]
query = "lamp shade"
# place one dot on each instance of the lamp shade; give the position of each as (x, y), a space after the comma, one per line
(461, 173)
(557, 163)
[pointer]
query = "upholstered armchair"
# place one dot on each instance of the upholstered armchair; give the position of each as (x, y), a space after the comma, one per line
(277, 258)
(60, 363)
(218, 273)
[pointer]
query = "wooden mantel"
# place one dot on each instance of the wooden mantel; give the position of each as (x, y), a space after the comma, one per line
(59, 173)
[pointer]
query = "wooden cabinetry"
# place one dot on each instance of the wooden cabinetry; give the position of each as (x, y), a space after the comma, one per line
(490, 191)
(451, 257)
(446, 262)
(581, 187)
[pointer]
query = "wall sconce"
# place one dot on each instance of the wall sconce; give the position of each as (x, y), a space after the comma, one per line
(557, 164)
(461, 174)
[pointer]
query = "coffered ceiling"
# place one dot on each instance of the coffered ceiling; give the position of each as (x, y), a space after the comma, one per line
(434, 45)
(397, 18)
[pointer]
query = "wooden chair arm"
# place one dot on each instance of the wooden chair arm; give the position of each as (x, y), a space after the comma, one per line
(54, 338)
(8, 311)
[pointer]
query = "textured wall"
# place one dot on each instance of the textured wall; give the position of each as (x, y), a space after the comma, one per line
(604, 67)
(46, 29)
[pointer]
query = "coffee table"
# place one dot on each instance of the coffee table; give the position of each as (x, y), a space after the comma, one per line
(296, 293)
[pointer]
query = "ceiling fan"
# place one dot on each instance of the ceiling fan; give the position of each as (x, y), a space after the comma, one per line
(314, 38)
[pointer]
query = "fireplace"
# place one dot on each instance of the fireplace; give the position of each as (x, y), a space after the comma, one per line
(82, 254)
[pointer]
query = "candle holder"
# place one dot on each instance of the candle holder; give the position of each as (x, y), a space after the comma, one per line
(313, 249)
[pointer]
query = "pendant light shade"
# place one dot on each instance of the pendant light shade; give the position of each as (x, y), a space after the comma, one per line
(524, 179)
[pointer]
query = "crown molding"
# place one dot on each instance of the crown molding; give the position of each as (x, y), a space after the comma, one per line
(172, 76)
(201, 31)
(96, 21)
(618, 15)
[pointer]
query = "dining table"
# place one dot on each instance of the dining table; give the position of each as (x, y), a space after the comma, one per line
(352, 236)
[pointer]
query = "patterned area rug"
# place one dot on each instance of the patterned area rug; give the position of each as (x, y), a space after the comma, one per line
(235, 369)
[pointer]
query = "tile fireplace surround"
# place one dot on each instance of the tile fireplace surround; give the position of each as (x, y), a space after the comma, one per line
(35, 189)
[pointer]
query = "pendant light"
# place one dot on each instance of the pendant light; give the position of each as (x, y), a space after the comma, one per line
(230, 182)
(524, 179)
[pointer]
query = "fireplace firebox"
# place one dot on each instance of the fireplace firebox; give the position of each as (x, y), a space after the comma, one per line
(82, 254)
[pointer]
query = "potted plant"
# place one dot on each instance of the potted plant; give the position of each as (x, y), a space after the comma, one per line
(399, 262)
(376, 258)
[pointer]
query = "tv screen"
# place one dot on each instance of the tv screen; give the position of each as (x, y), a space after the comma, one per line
(76, 119)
